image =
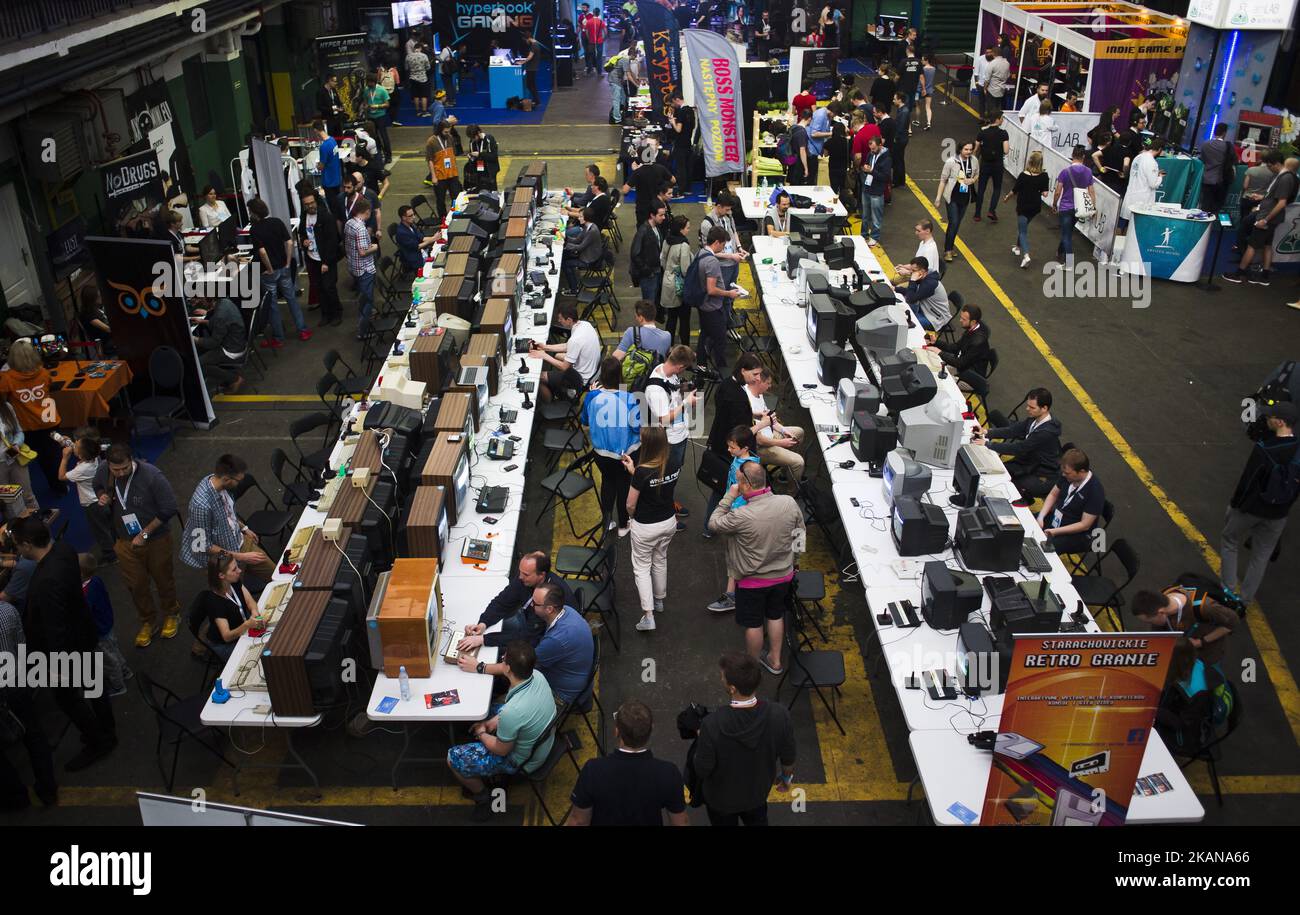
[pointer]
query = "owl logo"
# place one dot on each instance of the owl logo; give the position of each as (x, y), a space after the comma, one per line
(144, 302)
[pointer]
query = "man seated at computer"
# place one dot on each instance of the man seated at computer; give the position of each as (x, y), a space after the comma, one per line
(777, 443)
(574, 362)
(926, 296)
(1033, 444)
(564, 652)
(598, 204)
(513, 607)
(583, 249)
(411, 242)
(971, 351)
(1073, 507)
(926, 247)
(777, 221)
(509, 739)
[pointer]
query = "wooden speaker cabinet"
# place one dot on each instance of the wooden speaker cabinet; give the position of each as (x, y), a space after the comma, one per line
(409, 618)
(488, 347)
(320, 564)
(426, 523)
(351, 502)
(435, 360)
(456, 413)
(284, 662)
(448, 466)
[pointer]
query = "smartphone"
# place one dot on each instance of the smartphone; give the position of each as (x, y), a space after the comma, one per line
(510, 467)
(1225, 220)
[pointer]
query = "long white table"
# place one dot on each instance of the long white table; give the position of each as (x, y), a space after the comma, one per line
(907, 651)
(753, 200)
(955, 773)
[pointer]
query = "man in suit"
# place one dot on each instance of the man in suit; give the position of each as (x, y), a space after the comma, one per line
(1033, 444)
(330, 104)
(971, 351)
(318, 238)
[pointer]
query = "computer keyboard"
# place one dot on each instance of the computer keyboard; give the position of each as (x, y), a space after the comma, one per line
(929, 358)
(452, 633)
(248, 675)
(1032, 556)
(985, 460)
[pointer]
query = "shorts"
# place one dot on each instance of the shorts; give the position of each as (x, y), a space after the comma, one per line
(418, 89)
(472, 760)
(1261, 238)
(755, 605)
(561, 381)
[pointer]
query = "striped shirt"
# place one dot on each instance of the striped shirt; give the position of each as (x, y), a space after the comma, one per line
(356, 239)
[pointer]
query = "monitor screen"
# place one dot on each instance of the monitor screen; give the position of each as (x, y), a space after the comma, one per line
(965, 478)
(812, 324)
(898, 524)
(410, 13)
(228, 232)
(892, 26)
(460, 480)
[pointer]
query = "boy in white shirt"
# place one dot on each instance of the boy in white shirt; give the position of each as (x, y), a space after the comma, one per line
(84, 446)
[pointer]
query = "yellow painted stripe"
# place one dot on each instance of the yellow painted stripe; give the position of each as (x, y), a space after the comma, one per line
(266, 398)
(1265, 640)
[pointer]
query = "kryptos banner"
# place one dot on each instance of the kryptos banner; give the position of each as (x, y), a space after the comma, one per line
(661, 35)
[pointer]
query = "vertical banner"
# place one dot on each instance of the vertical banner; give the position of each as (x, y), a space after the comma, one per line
(716, 93)
(132, 184)
(344, 56)
(271, 186)
(663, 55)
(1076, 718)
(146, 313)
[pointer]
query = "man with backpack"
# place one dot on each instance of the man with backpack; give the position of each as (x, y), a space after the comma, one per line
(1188, 607)
(706, 291)
(645, 268)
(644, 344)
(1269, 486)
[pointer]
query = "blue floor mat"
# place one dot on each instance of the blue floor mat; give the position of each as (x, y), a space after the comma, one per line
(473, 107)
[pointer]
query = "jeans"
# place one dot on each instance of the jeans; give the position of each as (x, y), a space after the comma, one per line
(618, 99)
(1066, 246)
(677, 321)
(875, 213)
(365, 300)
(1263, 534)
(281, 283)
(992, 173)
(956, 210)
(650, 287)
(1022, 233)
(650, 560)
(614, 483)
(677, 456)
(381, 137)
(713, 338)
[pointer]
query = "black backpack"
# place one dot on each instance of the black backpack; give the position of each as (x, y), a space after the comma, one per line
(693, 288)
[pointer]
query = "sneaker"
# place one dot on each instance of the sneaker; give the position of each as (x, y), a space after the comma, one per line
(428, 183)
(1234, 277)
(1024, 262)
(304, 335)
(993, 217)
(1261, 278)
(871, 242)
(144, 638)
(978, 218)
(1295, 305)
(724, 604)
(681, 525)
(659, 605)
(1015, 249)
(171, 625)
(272, 344)
(775, 671)
(1102, 257)
(707, 534)
(950, 256)
(646, 623)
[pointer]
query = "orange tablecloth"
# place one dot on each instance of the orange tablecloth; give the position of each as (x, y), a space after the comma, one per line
(80, 405)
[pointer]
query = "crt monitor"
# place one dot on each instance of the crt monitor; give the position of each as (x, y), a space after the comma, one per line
(914, 386)
(210, 248)
(882, 331)
(965, 480)
(814, 229)
(932, 431)
(460, 483)
(834, 364)
(822, 317)
(228, 233)
(903, 476)
(872, 437)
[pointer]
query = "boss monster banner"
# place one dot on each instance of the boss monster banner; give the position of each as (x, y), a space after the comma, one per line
(716, 76)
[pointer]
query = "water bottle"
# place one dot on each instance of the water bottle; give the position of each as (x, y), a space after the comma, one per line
(405, 682)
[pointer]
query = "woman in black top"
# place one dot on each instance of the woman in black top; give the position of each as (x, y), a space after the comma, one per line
(1029, 189)
(731, 404)
(1108, 162)
(991, 144)
(228, 605)
(654, 521)
(883, 89)
(836, 148)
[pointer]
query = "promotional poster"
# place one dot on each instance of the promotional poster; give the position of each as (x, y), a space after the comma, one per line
(132, 184)
(344, 56)
(1078, 712)
(717, 101)
(660, 34)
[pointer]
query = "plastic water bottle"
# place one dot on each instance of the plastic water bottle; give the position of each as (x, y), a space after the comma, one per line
(405, 682)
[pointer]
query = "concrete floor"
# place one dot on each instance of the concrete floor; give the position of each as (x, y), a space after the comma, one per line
(1154, 396)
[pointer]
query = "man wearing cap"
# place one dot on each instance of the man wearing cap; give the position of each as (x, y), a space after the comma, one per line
(1258, 510)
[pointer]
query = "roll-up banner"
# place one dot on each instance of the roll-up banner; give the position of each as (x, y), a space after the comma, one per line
(716, 90)
(661, 35)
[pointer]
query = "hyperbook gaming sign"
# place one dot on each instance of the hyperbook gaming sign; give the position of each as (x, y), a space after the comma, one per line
(495, 17)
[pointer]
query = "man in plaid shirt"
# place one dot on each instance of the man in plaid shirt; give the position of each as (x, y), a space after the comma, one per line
(214, 526)
(361, 262)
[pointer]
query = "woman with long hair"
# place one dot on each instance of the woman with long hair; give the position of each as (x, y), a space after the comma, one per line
(654, 521)
(229, 606)
(1030, 186)
(676, 260)
(613, 420)
(956, 188)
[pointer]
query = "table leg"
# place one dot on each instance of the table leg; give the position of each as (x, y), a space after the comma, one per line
(298, 763)
(406, 746)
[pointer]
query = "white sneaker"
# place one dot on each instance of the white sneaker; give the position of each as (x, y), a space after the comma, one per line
(1102, 257)
(873, 243)
(1295, 305)
(724, 604)
(646, 623)
(659, 605)
(1015, 249)
(1024, 261)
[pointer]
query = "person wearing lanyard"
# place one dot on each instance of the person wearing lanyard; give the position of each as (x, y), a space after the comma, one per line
(959, 175)
(877, 176)
(377, 101)
(1081, 499)
(1033, 444)
(777, 220)
(142, 505)
(227, 603)
(484, 163)
(214, 527)
(318, 236)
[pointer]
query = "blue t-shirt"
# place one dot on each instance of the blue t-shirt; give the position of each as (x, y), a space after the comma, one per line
(652, 338)
(564, 655)
(821, 122)
(614, 418)
(331, 170)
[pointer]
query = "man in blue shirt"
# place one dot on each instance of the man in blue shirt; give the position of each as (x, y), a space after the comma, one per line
(819, 130)
(411, 242)
(331, 170)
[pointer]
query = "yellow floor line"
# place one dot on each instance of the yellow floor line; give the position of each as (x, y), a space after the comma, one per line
(265, 398)
(1265, 639)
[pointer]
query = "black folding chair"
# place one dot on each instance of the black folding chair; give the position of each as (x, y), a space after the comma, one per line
(269, 523)
(166, 398)
(1207, 753)
(313, 463)
(178, 720)
(815, 670)
(566, 485)
(1097, 590)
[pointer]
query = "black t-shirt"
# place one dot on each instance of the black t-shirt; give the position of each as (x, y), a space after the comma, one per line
(535, 50)
(270, 234)
(646, 181)
(685, 117)
(799, 140)
(991, 139)
(216, 607)
(655, 500)
(1029, 193)
(629, 789)
(910, 77)
(1090, 500)
(1130, 143)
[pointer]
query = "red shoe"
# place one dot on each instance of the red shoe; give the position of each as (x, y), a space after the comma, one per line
(993, 217)
(979, 218)
(304, 335)
(272, 344)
